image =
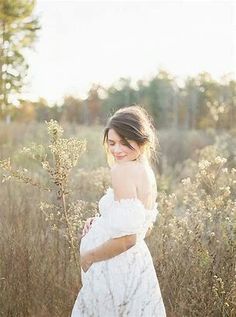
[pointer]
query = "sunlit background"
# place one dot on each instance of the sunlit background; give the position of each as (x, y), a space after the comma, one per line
(85, 42)
(177, 59)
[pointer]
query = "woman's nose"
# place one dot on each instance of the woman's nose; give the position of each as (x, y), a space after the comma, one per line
(117, 148)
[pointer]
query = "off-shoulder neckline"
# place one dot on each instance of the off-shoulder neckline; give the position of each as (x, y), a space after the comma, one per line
(131, 199)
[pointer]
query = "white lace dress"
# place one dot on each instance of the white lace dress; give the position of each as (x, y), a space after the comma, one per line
(125, 285)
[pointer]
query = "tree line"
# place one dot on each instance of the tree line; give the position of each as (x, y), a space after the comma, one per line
(200, 102)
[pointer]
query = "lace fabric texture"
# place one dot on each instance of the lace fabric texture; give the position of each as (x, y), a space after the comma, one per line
(128, 216)
(125, 285)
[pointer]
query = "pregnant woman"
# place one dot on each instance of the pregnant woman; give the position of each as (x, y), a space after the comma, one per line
(118, 274)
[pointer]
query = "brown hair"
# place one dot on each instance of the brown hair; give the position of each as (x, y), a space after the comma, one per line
(134, 123)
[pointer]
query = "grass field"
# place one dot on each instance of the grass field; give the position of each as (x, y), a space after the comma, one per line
(193, 242)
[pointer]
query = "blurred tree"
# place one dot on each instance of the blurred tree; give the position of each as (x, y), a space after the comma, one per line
(161, 98)
(232, 104)
(36, 110)
(18, 29)
(72, 110)
(94, 104)
(209, 101)
(190, 97)
(118, 95)
(44, 112)
(25, 112)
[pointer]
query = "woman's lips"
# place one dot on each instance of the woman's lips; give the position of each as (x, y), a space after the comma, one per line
(119, 157)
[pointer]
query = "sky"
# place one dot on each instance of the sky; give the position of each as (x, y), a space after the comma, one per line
(85, 42)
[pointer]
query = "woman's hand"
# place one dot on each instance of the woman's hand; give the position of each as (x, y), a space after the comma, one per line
(85, 261)
(87, 226)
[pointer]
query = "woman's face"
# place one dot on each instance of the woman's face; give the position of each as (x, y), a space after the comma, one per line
(120, 151)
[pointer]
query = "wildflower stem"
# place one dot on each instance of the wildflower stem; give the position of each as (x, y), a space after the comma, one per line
(70, 235)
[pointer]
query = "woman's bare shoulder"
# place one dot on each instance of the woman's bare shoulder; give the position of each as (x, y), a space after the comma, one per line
(124, 180)
(130, 166)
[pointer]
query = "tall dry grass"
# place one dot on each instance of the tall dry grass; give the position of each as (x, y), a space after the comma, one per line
(193, 241)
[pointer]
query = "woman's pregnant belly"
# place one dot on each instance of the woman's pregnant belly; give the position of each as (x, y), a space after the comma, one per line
(96, 236)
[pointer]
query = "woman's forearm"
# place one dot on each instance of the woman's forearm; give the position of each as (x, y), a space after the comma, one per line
(111, 248)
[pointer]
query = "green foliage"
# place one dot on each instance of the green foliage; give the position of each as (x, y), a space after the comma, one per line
(199, 103)
(18, 29)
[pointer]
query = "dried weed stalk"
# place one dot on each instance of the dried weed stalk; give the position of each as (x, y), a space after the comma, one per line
(57, 159)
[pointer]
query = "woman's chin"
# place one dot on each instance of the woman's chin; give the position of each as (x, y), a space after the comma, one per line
(120, 160)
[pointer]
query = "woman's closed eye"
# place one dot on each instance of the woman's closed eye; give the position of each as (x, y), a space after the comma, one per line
(122, 143)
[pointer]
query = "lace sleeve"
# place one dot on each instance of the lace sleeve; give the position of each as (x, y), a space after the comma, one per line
(127, 216)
